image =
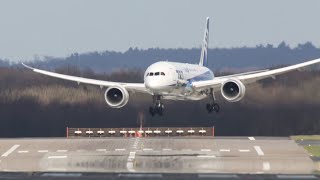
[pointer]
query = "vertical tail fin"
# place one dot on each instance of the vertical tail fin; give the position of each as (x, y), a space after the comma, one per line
(204, 50)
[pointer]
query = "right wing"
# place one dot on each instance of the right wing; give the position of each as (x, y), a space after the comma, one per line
(129, 86)
(247, 78)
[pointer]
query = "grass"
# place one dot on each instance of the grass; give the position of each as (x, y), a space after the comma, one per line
(313, 150)
(306, 137)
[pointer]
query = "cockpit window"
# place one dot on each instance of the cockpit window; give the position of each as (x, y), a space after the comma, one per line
(162, 74)
(151, 74)
(157, 73)
(147, 74)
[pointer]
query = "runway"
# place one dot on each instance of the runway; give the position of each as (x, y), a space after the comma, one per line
(155, 155)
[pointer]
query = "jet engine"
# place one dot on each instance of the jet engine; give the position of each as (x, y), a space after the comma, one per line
(116, 97)
(233, 90)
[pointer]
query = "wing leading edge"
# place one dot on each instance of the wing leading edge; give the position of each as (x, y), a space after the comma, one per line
(247, 78)
(129, 86)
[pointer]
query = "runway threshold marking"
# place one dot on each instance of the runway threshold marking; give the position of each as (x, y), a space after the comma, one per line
(259, 150)
(266, 166)
(9, 151)
(57, 157)
(251, 138)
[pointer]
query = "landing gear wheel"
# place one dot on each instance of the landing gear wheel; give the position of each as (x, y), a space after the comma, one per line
(151, 111)
(160, 110)
(157, 108)
(214, 106)
(209, 108)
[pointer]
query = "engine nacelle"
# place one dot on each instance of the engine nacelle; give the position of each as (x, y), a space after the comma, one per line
(233, 90)
(116, 96)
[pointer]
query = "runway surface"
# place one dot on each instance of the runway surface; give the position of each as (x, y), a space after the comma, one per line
(155, 155)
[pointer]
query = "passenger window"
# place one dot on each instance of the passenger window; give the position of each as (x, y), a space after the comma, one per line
(157, 73)
(150, 74)
(162, 74)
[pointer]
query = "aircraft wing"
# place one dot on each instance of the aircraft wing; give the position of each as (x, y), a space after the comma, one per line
(250, 77)
(129, 86)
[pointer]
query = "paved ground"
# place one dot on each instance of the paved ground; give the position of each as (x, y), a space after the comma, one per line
(155, 155)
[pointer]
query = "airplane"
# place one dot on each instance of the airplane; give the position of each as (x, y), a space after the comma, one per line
(181, 81)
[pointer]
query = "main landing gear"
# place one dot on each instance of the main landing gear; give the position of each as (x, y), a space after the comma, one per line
(157, 107)
(214, 106)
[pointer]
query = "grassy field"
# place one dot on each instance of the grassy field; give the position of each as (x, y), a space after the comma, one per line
(306, 137)
(313, 150)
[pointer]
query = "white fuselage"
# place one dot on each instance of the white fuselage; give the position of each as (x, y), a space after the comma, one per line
(173, 80)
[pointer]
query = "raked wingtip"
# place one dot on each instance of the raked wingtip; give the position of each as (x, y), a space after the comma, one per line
(26, 66)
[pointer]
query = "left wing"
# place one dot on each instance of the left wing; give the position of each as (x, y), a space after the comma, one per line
(129, 86)
(251, 77)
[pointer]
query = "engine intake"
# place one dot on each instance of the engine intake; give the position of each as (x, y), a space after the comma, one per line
(233, 90)
(116, 97)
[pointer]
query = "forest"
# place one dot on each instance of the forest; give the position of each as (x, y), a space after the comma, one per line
(35, 105)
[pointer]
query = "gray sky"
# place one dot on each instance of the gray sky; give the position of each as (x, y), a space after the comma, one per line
(61, 27)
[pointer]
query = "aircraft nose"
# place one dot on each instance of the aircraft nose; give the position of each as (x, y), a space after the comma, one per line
(151, 84)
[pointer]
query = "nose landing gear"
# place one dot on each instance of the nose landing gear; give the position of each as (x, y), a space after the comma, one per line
(157, 108)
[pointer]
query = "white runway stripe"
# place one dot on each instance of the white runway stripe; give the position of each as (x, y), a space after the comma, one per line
(166, 149)
(101, 150)
(57, 157)
(259, 150)
(147, 149)
(120, 149)
(251, 138)
(130, 165)
(14, 147)
(62, 150)
(266, 166)
(224, 150)
(206, 156)
(244, 150)
(43, 151)
(207, 150)
(23, 151)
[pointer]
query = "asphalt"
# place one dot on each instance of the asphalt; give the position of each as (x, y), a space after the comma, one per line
(162, 155)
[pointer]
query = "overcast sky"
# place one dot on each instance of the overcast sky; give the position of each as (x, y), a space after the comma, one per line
(61, 27)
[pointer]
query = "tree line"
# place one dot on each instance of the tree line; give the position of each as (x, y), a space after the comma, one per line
(34, 105)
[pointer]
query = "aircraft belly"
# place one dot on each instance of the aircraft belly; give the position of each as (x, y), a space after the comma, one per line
(183, 94)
